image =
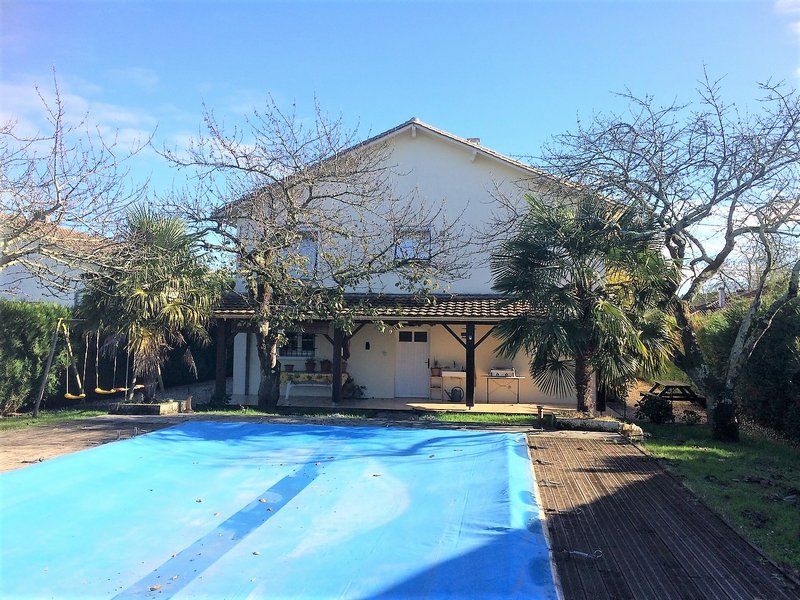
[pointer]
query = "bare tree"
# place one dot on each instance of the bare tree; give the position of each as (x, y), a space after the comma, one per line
(63, 194)
(712, 178)
(308, 214)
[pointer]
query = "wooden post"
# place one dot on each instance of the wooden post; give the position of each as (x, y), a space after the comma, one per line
(222, 355)
(336, 387)
(470, 348)
(47, 366)
(72, 365)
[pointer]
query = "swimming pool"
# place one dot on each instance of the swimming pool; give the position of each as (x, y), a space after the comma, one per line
(246, 510)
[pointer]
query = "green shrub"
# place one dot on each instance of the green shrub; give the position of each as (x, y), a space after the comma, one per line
(769, 388)
(26, 330)
(655, 409)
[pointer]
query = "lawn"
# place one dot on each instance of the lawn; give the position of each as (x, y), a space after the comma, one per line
(47, 417)
(754, 484)
(431, 417)
(52, 417)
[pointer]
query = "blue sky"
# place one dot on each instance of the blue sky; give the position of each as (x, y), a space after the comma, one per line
(512, 74)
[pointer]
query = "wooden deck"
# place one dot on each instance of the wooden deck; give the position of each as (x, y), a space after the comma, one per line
(655, 539)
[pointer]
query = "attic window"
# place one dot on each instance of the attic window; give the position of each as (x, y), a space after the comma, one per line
(413, 245)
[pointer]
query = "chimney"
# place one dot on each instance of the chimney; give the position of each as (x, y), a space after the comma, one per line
(474, 141)
(721, 297)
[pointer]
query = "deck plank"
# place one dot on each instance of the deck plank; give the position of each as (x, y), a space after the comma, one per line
(657, 539)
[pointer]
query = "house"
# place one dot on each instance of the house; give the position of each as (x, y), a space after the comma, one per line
(451, 331)
(43, 262)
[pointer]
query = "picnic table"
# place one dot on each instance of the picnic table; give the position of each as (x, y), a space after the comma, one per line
(675, 390)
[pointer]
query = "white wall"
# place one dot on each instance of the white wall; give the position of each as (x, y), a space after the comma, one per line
(16, 283)
(374, 368)
(435, 170)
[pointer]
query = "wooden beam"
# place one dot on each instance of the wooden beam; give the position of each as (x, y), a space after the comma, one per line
(336, 387)
(455, 335)
(470, 364)
(222, 356)
(247, 353)
(486, 335)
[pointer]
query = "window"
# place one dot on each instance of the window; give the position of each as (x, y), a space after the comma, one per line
(413, 245)
(299, 344)
(413, 336)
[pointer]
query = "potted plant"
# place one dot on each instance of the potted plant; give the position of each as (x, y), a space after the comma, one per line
(436, 370)
(325, 366)
(311, 365)
(289, 368)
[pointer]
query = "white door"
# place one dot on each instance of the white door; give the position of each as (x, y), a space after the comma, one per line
(412, 373)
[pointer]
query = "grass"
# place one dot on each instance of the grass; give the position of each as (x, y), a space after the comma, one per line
(435, 417)
(754, 484)
(47, 417)
(52, 417)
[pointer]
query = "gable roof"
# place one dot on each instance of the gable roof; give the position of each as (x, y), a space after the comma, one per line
(415, 123)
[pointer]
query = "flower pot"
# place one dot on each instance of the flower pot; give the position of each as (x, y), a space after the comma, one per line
(288, 368)
(311, 366)
(436, 371)
(325, 366)
(344, 366)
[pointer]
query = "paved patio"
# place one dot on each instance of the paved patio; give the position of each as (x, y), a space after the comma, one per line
(420, 405)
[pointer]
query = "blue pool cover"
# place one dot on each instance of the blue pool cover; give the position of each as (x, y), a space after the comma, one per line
(244, 510)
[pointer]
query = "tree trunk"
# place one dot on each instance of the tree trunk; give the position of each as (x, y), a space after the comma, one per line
(583, 379)
(269, 387)
(720, 403)
(722, 417)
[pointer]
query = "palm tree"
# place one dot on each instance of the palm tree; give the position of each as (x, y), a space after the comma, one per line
(588, 278)
(159, 295)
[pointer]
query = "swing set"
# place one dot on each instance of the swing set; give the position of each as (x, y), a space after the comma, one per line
(62, 328)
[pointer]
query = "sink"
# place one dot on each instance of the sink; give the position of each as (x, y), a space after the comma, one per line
(454, 373)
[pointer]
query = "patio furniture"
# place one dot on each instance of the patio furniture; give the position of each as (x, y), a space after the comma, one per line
(306, 384)
(674, 390)
(501, 375)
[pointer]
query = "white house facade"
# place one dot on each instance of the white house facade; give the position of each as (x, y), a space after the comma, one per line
(440, 350)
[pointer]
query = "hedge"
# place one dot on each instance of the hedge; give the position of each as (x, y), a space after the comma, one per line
(26, 331)
(769, 388)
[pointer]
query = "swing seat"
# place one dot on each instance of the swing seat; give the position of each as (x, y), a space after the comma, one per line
(69, 396)
(103, 392)
(136, 388)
